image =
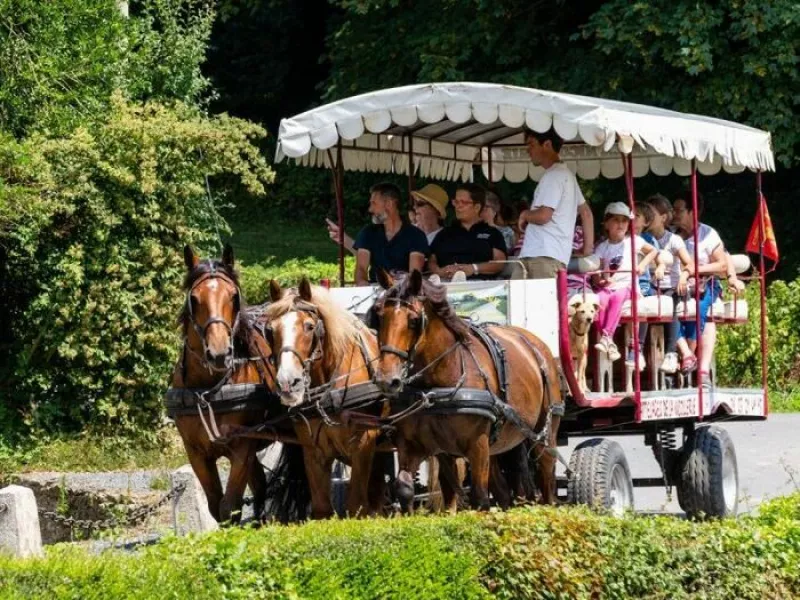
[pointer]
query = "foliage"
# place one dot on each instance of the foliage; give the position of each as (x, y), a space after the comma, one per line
(256, 278)
(93, 224)
(739, 348)
(61, 60)
(525, 553)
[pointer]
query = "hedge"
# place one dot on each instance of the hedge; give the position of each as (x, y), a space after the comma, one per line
(530, 552)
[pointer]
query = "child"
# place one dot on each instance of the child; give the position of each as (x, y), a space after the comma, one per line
(614, 288)
(644, 215)
(675, 283)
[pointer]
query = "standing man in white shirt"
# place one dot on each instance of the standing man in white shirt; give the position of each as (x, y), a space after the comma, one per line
(549, 224)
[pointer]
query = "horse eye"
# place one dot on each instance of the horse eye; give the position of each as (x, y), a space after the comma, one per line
(308, 326)
(414, 323)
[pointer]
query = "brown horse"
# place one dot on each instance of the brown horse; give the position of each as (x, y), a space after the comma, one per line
(422, 338)
(320, 346)
(221, 347)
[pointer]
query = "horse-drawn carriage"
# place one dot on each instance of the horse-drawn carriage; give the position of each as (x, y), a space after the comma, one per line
(448, 132)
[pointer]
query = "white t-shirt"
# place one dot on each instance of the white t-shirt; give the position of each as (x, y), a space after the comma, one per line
(558, 189)
(708, 239)
(432, 235)
(616, 256)
(673, 244)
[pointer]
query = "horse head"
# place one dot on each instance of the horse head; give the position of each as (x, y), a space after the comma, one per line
(212, 311)
(402, 324)
(297, 331)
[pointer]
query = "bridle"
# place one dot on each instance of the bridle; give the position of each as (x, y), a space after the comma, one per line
(202, 330)
(317, 343)
(419, 326)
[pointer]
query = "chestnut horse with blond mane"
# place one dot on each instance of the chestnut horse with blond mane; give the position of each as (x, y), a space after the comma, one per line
(423, 340)
(319, 346)
(222, 348)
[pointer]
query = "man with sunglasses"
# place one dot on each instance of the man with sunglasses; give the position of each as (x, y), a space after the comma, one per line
(469, 245)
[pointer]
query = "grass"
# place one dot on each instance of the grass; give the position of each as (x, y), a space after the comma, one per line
(255, 242)
(93, 454)
(784, 401)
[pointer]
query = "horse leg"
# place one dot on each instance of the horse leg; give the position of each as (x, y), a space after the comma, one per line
(478, 457)
(382, 464)
(242, 459)
(205, 468)
(498, 484)
(546, 464)
(318, 471)
(409, 462)
(449, 482)
(360, 474)
(258, 485)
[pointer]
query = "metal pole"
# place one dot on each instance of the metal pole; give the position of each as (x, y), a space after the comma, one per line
(410, 166)
(696, 223)
(491, 175)
(627, 163)
(339, 176)
(764, 340)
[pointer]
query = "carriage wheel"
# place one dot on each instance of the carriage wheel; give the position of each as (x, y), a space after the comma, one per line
(709, 475)
(601, 477)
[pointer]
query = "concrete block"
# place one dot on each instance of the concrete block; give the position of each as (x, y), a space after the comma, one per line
(190, 508)
(19, 522)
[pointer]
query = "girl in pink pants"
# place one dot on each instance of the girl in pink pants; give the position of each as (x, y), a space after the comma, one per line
(614, 287)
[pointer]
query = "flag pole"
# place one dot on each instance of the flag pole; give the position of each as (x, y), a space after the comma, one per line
(763, 284)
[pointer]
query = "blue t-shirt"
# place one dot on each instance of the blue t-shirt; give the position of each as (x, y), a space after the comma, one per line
(391, 255)
(645, 279)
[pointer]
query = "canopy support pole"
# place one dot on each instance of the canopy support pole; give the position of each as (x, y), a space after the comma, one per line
(763, 283)
(338, 176)
(695, 224)
(410, 166)
(627, 163)
(491, 175)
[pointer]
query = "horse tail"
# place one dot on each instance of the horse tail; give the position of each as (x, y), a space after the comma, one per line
(288, 493)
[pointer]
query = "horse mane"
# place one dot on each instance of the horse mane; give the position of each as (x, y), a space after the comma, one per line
(434, 296)
(341, 327)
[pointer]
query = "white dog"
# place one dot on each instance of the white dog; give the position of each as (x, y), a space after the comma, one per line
(581, 315)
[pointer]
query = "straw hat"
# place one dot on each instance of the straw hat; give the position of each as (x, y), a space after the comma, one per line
(433, 195)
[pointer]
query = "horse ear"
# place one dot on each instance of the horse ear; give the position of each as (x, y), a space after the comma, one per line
(304, 289)
(415, 284)
(189, 257)
(275, 291)
(384, 279)
(227, 256)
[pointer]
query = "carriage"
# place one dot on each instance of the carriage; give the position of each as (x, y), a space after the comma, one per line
(457, 131)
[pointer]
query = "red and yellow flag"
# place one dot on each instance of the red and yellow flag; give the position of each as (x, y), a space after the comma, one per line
(762, 222)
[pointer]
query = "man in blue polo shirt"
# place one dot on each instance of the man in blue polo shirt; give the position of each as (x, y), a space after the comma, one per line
(387, 243)
(468, 245)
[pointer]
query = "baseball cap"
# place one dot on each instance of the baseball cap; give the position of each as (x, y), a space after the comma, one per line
(618, 208)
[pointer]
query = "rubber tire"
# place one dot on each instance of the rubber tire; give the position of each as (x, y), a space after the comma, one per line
(592, 464)
(701, 485)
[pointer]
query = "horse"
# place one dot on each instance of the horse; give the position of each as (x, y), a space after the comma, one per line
(319, 345)
(422, 339)
(222, 347)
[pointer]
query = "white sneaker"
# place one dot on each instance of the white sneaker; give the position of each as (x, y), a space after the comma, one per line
(603, 344)
(630, 361)
(613, 352)
(670, 364)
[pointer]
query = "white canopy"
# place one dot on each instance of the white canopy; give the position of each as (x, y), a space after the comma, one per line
(446, 128)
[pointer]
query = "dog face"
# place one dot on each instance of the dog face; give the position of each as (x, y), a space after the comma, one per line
(582, 313)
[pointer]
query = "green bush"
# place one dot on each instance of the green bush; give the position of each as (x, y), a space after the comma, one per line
(93, 225)
(739, 347)
(535, 553)
(255, 278)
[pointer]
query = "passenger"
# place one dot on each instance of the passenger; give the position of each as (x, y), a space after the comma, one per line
(576, 282)
(614, 289)
(468, 245)
(549, 223)
(388, 243)
(674, 284)
(430, 206)
(492, 215)
(643, 218)
(711, 261)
